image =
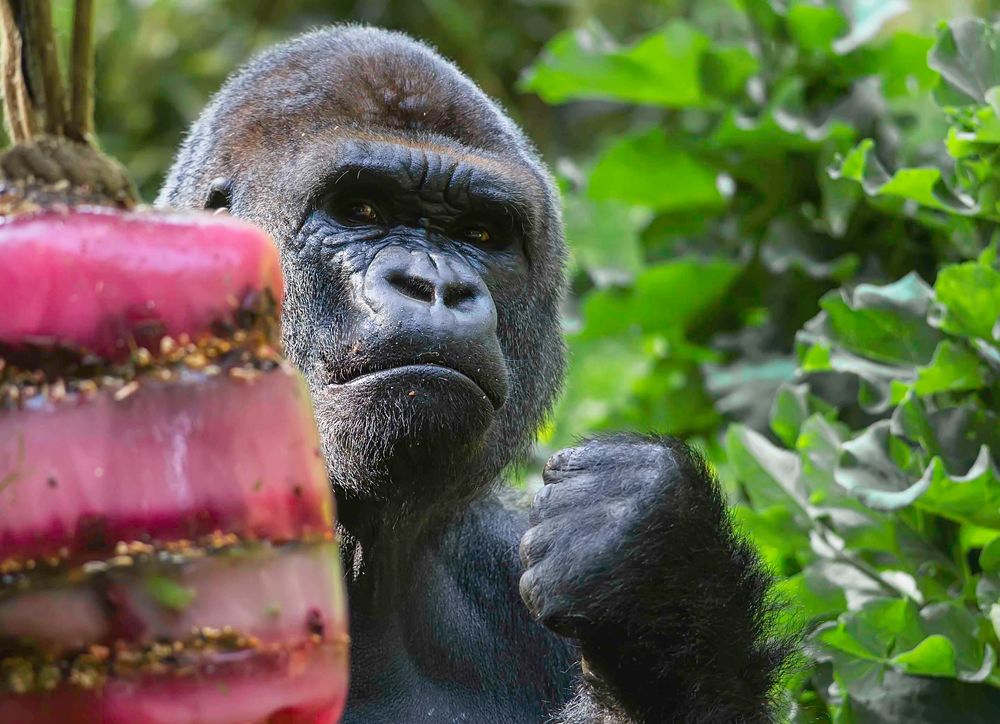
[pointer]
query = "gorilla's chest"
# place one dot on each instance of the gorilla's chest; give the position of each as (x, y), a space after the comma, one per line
(456, 653)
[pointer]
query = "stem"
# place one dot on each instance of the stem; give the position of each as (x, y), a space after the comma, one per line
(81, 124)
(18, 109)
(45, 60)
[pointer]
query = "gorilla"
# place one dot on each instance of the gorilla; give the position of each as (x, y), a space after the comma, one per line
(423, 253)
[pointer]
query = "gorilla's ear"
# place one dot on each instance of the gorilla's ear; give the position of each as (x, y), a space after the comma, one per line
(220, 194)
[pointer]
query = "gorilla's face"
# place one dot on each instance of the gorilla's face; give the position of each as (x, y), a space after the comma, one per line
(422, 250)
(402, 286)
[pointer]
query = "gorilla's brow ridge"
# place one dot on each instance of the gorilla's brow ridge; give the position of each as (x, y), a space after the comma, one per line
(487, 182)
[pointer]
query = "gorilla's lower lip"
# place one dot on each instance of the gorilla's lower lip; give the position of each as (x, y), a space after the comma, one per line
(431, 370)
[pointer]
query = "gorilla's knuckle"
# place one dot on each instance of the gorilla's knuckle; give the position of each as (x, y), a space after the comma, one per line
(530, 548)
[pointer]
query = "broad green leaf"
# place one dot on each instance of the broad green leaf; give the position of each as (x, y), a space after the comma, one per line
(884, 323)
(603, 237)
(667, 297)
(877, 382)
(969, 299)
(866, 469)
(602, 373)
(989, 558)
(815, 26)
(651, 170)
(768, 473)
(882, 628)
(952, 368)
(901, 64)
(970, 498)
(967, 55)
(792, 406)
(663, 68)
(954, 621)
(934, 656)
(726, 69)
(744, 391)
(812, 595)
(774, 532)
(923, 186)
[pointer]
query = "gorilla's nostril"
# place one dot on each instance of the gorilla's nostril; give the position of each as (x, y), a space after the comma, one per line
(412, 286)
(455, 295)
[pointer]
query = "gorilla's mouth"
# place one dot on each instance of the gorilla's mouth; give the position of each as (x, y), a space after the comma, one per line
(414, 374)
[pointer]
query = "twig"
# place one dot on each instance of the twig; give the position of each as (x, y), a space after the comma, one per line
(81, 123)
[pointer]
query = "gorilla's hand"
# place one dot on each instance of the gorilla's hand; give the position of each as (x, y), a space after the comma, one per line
(631, 552)
(588, 522)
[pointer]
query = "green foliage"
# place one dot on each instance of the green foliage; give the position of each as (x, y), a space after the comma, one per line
(789, 253)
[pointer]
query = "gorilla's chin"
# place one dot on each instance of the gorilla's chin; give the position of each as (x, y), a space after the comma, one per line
(417, 428)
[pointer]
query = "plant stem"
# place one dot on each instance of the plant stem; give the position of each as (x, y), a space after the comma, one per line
(81, 124)
(43, 75)
(18, 109)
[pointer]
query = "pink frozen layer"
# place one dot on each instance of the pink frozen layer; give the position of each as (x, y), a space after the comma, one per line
(304, 686)
(279, 596)
(96, 278)
(173, 460)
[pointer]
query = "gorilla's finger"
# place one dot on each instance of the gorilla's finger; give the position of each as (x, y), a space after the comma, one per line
(541, 592)
(553, 500)
(535, 544)
(560, 465)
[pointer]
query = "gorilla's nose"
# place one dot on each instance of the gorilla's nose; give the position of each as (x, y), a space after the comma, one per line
(430, 289)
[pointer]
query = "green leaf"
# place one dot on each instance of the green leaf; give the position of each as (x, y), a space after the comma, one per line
(776, 129)
(745, 390)
(969, 299)
(866, 469)
(668, 297)
(652, 171)
(788, 244)
(970, 498)
(726, 70)
(663, 68)
(812, 595)
(952, 368)
(866, 17)
(885, 323)
(923, 186)
(989, 558)
(792, 406)
(880, 629)
(901, 64)
(603, 237)
(169, 593)
(769, 474)
(934, 656)
(814, 26)
(967, 55)
(598, 386)
(773, 531)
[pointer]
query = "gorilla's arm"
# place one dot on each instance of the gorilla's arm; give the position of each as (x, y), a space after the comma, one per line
(632, 553)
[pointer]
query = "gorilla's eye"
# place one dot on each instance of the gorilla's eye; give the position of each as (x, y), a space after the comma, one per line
(359, 212)
(477, 235)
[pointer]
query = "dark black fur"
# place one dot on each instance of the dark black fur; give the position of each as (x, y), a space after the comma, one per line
(629, 554)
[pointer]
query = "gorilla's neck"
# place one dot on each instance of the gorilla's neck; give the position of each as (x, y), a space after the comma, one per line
(383, 544)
